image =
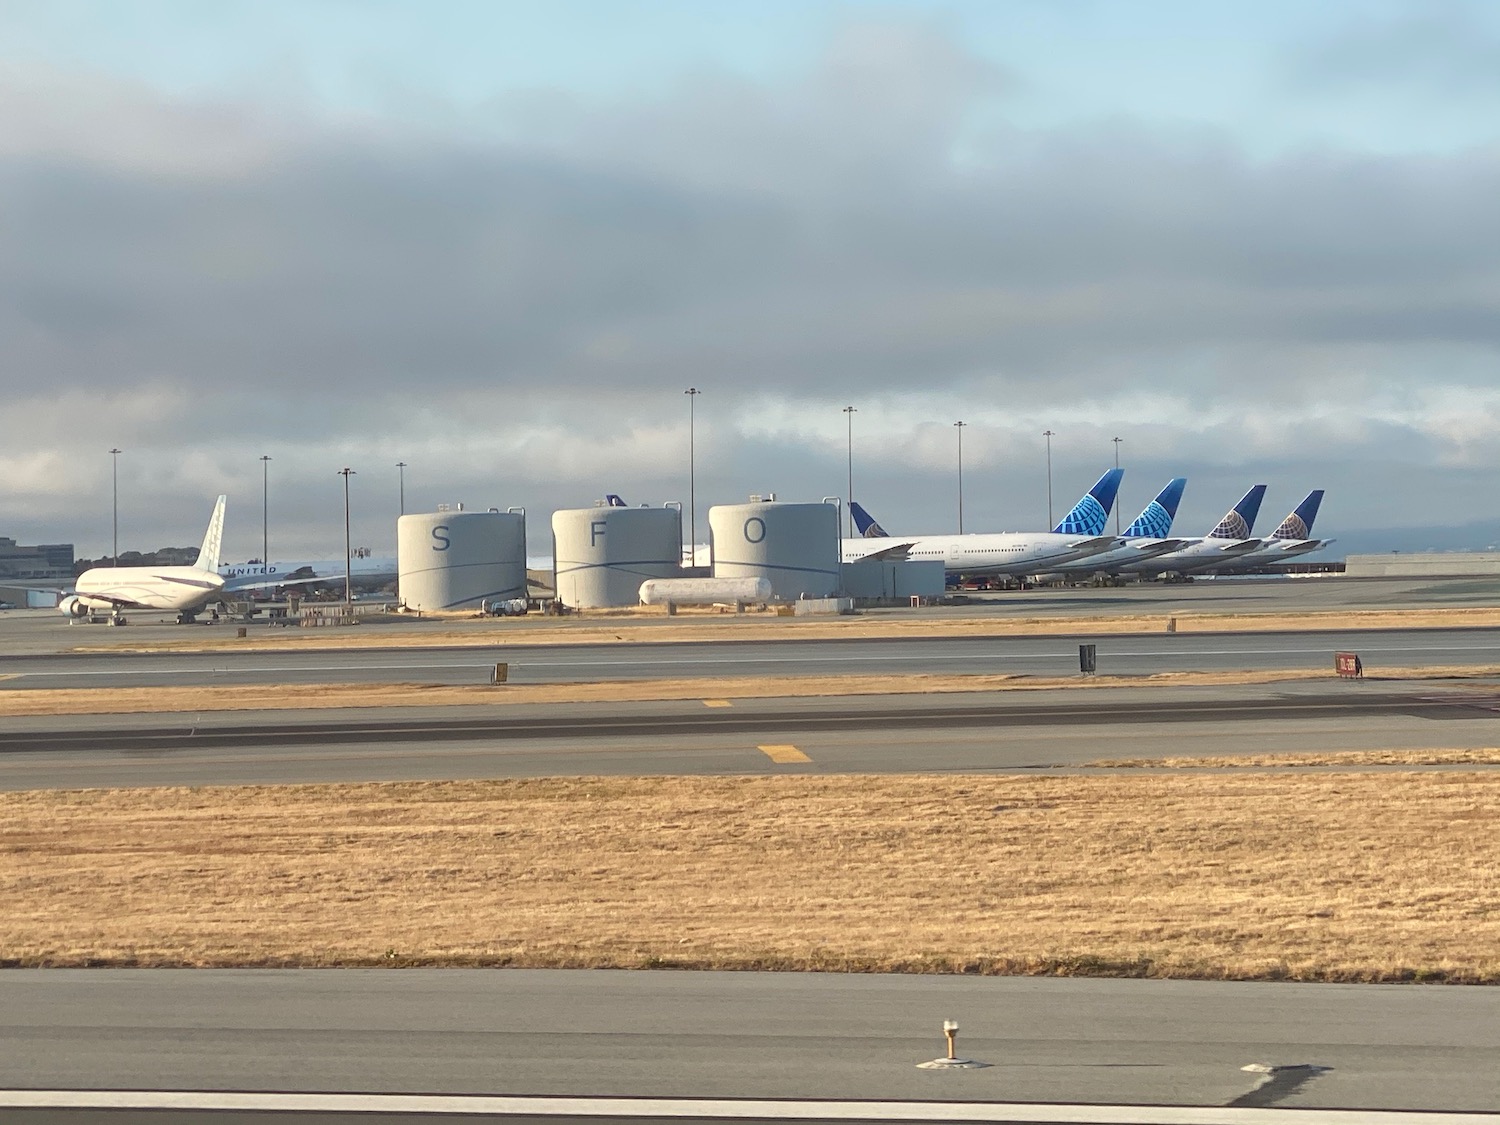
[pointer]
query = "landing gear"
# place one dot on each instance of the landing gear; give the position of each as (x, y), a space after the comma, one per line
(187, 617)
(117, 618)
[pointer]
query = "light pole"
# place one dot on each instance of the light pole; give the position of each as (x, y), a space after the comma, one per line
(401, 473)
(115, 509)
(346, 473)
(265, 513)
(849, 413)
(1049, 435)
(1117, 499)
(692, 397)
(959, 426)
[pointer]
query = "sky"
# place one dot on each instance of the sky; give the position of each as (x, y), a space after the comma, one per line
(1257, 242)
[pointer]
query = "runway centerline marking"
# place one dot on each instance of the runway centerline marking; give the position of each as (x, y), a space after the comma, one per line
(717, 703)
(783, 754)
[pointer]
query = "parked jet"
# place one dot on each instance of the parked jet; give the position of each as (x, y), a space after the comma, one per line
(1228, 539)
(185, 590)
(1016, 553)
(364, 566)
(1292, 537)
(1145, 538)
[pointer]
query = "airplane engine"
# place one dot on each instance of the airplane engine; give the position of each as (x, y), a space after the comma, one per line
(73, 606)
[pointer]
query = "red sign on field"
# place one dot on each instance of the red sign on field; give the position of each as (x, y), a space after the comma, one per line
(1347, 664)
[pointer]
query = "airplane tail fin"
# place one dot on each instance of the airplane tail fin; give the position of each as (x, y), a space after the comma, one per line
(1240, 520)
(865, 523)
(1156, 521)
(612, 500)
(1298, 525)
(1090, 514)
(208, 554)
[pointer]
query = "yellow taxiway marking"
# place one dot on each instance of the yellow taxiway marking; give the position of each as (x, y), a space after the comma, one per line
(717, 703)
(783, 755)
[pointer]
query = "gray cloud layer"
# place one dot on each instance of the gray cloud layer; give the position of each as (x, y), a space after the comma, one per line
(515, 304)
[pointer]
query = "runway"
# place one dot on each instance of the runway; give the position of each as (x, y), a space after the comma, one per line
(1142, 654)
(748, 1035)
(1000, 731)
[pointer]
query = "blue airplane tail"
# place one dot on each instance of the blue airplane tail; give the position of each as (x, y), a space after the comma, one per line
(1298, 525)
(1239, 521)
(1156, 521)
(1090, 514)
(611, 500)
(863, 521)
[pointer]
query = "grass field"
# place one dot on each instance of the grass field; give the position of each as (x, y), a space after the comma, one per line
(1254, 875)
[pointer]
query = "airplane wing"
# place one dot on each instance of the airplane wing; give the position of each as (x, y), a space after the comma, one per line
(1156, 546)
(1095, 545)
(894, 551)
(260, 582)
(1240, 546)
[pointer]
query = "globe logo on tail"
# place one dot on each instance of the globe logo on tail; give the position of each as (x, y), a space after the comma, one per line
(1232, 526)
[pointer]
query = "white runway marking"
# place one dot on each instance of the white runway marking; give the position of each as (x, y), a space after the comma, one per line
(416, 1104)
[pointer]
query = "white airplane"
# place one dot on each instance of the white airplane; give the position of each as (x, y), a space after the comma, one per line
(1015, 553)
(1229, 539)
(184, 590)
(1292, 537)
(1143, 539)
(362, 565)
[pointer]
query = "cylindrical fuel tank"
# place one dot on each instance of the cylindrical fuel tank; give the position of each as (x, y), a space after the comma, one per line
(455, 560)
(601, 555)
(705, 591)
(794, 546)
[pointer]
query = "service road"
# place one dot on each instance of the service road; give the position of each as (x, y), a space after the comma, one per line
(1140, 654)
(748, 1035)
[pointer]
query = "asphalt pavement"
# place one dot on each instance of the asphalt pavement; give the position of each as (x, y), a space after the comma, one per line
(749, 1035)
(1141, 654)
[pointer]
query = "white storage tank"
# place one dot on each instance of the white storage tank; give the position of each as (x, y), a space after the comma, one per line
(706, 591)
(455, 560)
(602, 555)
(794, 546)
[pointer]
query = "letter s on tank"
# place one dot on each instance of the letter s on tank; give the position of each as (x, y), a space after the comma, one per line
(440, 537)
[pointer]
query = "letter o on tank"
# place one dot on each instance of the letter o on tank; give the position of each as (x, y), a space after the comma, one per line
(755, 529)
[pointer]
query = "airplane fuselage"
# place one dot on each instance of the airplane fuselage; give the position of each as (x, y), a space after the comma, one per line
(181, 589)
(1012, 553)
(1198, 555)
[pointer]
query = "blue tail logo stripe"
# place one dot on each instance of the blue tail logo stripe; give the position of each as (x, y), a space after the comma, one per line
(1153, 523)
(1088, 517)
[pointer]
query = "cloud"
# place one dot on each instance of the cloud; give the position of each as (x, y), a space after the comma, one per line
(1445, 47)
(515, 305)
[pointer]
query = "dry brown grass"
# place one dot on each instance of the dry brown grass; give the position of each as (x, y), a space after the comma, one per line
(1303, 876)
(257, 697)
(1488, 756)
(532, 631)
